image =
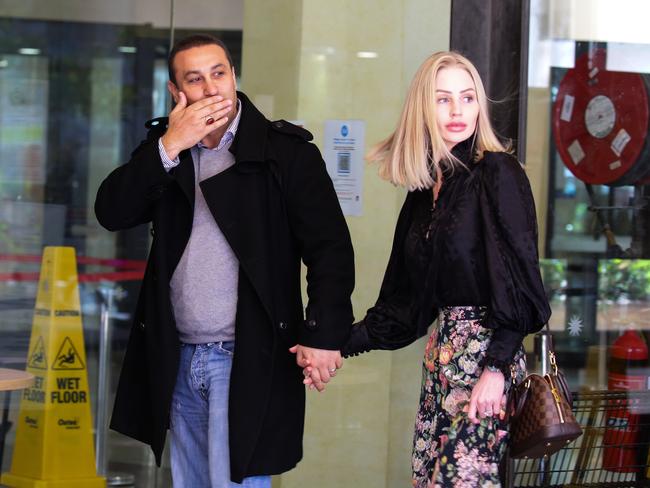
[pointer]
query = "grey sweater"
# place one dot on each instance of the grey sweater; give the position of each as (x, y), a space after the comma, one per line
(204, 284)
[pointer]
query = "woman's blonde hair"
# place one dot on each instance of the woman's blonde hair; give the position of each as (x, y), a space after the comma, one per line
(416, 151)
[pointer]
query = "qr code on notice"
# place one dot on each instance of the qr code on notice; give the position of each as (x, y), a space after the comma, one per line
(343, 163)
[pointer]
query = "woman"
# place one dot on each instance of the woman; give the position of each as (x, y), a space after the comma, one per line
(465, 251)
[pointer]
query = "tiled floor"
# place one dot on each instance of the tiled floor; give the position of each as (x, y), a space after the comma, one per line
(144, 476)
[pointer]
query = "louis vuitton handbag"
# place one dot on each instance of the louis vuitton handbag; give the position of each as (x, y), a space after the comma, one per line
(541, 419)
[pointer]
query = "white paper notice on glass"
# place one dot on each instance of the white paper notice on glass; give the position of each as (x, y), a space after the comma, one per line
(343, 153)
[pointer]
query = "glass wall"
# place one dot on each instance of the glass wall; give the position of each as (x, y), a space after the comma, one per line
(78, 80)
(587, 154)
(588, 157)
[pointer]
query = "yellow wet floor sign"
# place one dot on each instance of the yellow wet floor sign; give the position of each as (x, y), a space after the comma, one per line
(54, 434)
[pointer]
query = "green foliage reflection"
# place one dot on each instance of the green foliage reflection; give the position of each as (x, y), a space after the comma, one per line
(624, 279)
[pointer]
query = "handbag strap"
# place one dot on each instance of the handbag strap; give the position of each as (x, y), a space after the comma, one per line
(551, 356)
(551, 350)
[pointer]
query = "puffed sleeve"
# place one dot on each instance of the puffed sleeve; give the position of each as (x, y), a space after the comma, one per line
(395, 319)
(518, 303)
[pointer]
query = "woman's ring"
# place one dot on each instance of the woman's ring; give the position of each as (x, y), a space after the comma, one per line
(209, 120)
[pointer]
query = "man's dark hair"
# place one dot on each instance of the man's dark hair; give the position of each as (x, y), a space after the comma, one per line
(189, 42)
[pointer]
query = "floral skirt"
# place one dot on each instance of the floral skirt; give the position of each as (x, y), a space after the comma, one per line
(448, 449)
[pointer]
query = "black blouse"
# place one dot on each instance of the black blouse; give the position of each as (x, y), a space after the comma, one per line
(478, 246)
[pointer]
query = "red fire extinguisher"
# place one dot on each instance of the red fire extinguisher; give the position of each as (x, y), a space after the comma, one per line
(628, 355)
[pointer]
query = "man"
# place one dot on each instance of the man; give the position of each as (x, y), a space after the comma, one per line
(235, 203)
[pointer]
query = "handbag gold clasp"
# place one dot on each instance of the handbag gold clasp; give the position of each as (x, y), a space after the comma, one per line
(558, 402)
(556, 395)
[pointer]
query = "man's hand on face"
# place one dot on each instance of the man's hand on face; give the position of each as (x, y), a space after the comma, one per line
(188, 124)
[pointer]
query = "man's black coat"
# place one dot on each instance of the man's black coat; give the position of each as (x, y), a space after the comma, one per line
(276, 205)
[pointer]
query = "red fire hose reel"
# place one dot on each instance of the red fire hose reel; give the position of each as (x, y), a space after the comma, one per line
(600, 123)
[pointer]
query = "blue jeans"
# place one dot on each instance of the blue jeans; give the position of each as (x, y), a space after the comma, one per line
(200, 456)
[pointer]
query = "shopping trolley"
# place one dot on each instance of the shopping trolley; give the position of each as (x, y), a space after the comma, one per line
(605, 455)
